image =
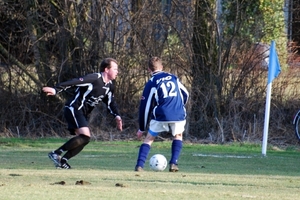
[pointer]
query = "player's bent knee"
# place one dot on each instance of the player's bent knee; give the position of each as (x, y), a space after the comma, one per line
(149, 139)
(83, 131)
(85, 139)
(178, 136)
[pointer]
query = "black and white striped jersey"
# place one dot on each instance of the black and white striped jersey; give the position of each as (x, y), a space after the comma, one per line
(90, 90)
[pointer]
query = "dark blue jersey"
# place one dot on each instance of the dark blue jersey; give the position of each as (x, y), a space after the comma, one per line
(90, 90)
(163, 99)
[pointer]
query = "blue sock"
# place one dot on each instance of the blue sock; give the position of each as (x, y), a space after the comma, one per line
(143, 154)
(176, 149)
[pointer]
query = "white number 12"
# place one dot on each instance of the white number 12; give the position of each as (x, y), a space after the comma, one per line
(172, 92)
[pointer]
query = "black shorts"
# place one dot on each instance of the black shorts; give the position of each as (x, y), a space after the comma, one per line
(75, 119)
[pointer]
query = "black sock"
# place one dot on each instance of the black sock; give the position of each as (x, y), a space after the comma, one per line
(73, 152)
(63, 161)
(58, 151)
(73, 143)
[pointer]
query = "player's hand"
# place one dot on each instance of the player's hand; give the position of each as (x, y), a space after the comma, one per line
(139, 134)
(119, 123)
(49, 91)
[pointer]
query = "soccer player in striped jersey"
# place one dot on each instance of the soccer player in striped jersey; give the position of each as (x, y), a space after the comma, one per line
(90, 90)
(163, 101)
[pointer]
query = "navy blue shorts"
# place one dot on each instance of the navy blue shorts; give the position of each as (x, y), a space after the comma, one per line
(75, 119)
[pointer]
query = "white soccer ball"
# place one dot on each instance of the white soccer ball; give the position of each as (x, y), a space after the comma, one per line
(158, 162)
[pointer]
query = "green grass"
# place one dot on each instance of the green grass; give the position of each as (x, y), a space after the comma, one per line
(235, 171)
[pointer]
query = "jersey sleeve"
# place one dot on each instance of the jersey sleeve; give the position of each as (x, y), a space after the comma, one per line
(146, 105)
(184, 92)
(78, 82)
(110, 102)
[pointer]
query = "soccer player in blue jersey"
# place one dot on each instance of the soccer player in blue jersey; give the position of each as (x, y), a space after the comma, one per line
(163, 101)
(90, 90)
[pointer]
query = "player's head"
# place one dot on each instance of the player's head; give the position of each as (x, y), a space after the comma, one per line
(109, 68)
(106, 63)
(155, 64)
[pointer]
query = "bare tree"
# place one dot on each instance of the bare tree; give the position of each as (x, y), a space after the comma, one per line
(229, 69)
(214, 47)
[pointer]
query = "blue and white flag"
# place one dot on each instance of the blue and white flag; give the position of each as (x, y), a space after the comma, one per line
(274, 65)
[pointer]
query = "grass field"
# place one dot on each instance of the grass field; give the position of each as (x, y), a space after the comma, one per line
(104, 170)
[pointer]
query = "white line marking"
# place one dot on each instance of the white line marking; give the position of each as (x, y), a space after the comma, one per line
(220, 156)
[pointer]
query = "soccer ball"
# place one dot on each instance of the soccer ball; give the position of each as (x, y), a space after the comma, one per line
(158, 162)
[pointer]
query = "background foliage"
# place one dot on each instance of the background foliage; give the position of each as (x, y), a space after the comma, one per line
(217, 48)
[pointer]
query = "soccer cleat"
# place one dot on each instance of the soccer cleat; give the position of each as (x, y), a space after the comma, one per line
(64, 166)
(55, 158)
(173, 168)
(138, 169)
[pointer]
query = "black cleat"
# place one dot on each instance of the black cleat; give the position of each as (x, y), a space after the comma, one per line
(64, 166)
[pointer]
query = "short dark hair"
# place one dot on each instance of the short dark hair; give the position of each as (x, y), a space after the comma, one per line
(155, 63)
(106, 63)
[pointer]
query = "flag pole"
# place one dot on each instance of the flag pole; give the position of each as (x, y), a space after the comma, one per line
(267, 117)
(273, 72)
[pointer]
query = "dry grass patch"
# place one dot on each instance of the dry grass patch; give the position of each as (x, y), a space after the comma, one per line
(100, 184)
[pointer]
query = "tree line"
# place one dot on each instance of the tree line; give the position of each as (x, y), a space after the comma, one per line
(216, 48)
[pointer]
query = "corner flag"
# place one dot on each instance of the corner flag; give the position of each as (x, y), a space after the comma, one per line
(274, 66)
(274, 70)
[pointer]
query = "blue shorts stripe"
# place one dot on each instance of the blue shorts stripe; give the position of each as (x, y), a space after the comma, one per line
(154, 134)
